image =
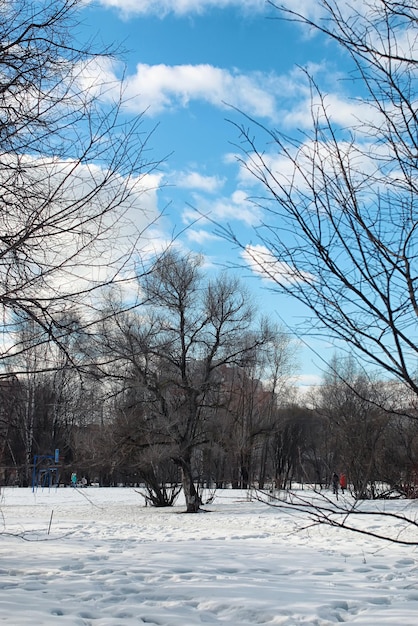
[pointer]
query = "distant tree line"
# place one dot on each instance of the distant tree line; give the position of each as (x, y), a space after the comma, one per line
(193, 390)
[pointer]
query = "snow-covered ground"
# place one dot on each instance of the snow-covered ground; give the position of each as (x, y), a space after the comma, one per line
(99, 557)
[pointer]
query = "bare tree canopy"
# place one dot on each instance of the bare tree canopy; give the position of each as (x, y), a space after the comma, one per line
(175, 359)
(341, 208)
(72, 171)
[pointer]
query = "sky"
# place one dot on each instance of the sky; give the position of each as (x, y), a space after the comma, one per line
(99, 557)
(193, 69)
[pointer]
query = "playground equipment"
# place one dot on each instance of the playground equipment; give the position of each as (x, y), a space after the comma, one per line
(45, 471)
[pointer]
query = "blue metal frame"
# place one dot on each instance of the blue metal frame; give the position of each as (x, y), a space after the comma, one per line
(45, 468)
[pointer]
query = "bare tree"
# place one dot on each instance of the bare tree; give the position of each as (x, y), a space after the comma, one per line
(251, 396)
(341, 202)
(287, 446)
(72, 173)
(398, 456)
(48, 401)
(177, 347)
(351, 401)
(244, 424)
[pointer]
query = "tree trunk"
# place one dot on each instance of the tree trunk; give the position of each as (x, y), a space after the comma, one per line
(190, 493)
(244, 475)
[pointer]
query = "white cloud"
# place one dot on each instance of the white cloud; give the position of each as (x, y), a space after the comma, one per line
(262, 262)
(156, 88)
(306, 385)
(308, 381)
(97, 78)
(198, 182)
(91, 226)
(309, 8)
(277, 168)
(347, 113)
(200, 236)
(236, 208)
(161, 8)
(301, 171)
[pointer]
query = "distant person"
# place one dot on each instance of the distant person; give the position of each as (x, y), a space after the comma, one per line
(335, 484)
(343, 482)
(73, 479)
(84, 481)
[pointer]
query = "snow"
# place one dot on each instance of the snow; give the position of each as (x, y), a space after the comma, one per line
(99, 557)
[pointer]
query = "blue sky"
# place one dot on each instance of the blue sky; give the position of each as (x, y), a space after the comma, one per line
(187, 63)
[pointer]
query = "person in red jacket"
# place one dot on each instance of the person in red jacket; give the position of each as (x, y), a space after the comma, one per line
(343, 482)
